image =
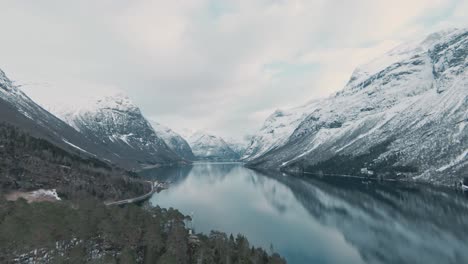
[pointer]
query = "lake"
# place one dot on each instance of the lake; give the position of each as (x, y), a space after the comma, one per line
(321, 219)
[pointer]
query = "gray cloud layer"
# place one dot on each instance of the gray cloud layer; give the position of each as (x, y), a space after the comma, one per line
(221, 66)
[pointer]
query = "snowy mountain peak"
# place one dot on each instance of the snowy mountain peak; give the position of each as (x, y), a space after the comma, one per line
(91, 104)
(405, 51)
(438, 36)
(115, 122)
(117, 102)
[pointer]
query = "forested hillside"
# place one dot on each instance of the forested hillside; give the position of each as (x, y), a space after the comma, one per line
(28, 163)
(89, 232)
(80, 228)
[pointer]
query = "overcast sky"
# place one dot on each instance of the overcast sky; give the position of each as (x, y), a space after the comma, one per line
(220, 66)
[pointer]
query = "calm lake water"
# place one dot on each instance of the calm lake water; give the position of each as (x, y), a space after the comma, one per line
(321, 219)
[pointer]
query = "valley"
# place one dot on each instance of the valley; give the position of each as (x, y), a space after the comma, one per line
(376, 165)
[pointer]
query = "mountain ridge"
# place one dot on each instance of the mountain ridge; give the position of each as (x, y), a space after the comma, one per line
(409, 100)
(115, 122)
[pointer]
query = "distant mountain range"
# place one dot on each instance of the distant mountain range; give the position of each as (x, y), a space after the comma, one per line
(402, 115)
(174, 141)
(113, 129)
(238, 145)
(206, 146)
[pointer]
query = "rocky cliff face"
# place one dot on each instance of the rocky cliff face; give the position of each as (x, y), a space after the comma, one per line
(404, 113)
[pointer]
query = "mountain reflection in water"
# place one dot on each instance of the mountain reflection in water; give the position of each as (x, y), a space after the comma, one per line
(322, 219)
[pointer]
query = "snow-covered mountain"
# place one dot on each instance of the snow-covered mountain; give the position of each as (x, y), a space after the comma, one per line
(239, 146)
(18, 109)
(174, 141)
(404, 113)
(40, 151)
(276, 130)
(209, 147)
(116, 123)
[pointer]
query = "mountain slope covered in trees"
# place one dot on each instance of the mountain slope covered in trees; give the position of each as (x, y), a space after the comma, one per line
(89, 232)
(28, 163)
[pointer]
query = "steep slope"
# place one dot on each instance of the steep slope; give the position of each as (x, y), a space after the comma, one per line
(117, 124)
(38, 150)
(19, 110)
(28, 164)
(402, 114)
(276, 130)
(210, 147)
(174, 141)
(111, 129)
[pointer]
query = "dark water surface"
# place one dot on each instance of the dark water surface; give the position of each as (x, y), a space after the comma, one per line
(321, 220)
